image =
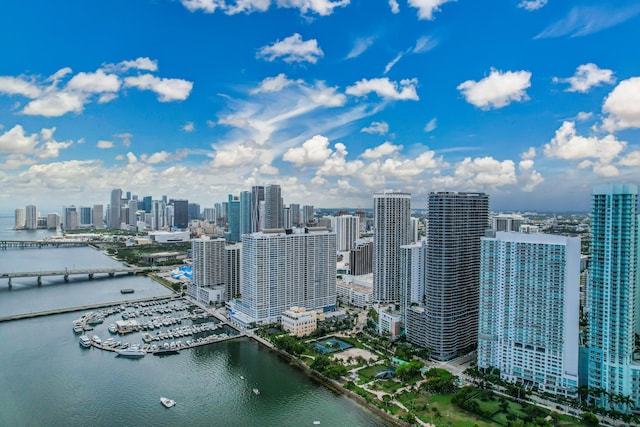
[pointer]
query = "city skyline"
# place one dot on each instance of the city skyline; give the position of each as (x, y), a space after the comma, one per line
(533, 102)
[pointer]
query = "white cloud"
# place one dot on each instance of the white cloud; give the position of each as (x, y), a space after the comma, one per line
(337, 165)
(497, 90)
(55, 104)
(380, 151)
(568, 145)
(529, 154)
(125, 138)
(385, 88)
(393, 62)
(585, 20)
(268, 170)
(188, 127)
(582, 116)
(16, 141)
(97, 82)
(145, 64)
(321, 7)
(631, 159)
(236, 155)
(426, 8)
(395, 7)
(623, 106)
(327, 96)
(532, 4)
(314, 151)
(424, 44)
(211, 123)
(131, 158)
(155, 158)
(104, 144)
(586, 77)
(381, 128)
(360, 46)
(275, 84)
(207, 6)
(248, 6)
(292, 49)
(431, 125)
(486, 171)
(18, 86)
(167, 89)
(529, 178)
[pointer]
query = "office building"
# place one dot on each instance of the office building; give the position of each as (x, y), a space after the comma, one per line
(307, 215)
(415, 230)
(180, 213)
(31, 217)
(70, 218)
(613, 295)
(529, 310)
(283, 269)
(98, 217)
(413, 260)
(257, 196)
(245, 213)
(194, 211)
(392, 229)
(53, 221)
(294, 211)
(361, 258)
(233, 255)
(299, 322)
(233, 219)
(456, 223)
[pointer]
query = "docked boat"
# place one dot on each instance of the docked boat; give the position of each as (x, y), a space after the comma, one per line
(85, 341)
(168, 403)
(96, 339)
(78, 329)
(127, 291)
(256, 391)
(112, 328)
(131, 353)
(166, 352)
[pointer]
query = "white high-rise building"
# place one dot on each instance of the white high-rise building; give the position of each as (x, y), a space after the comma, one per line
(307, 215)
(347, 228)
(19, 218)
(282, 269)
(31, 217)
(114, 209)
(392, 229)
(529, 310)
(415, 227)
(208, 270)
(507, 222)
(98, 217)
(412, 276)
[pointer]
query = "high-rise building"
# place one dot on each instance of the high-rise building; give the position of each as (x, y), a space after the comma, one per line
(209, 268)
(613, 295)
(233, 219)
(31, 217)
(158, 215)
(85, 216)
(98, 217)
(114, 209)
(308, 217)
(19, 219)
(415, 227)
(245, 213)
(273, 207)
(286, 217)
(283, 269)
(392, 229)
(529, 310)
(361, 258)
(180, 213)
(210, 215)
(148, 203)
(233, 255)
(347, 228)
(70, 218)
(257, 196)
(294, 211)
(194, 211)
(413, 259)
(133, 210)
(449, 321)
(507, 222)
(53, 220)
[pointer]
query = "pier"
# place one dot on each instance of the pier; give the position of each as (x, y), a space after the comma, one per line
(83, 308)
(89, 272)
(29, 244)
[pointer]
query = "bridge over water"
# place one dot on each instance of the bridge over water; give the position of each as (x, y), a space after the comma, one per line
(26, 244)
(90, 272)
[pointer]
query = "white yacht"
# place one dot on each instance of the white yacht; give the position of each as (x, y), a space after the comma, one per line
(96, 339)
(132, 353)
(85, 341)
(168, 403)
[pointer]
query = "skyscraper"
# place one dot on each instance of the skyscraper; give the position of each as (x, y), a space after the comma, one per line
(31, 217)
(281, 270)
(208, 270)
(114, 209)
(180, 213)
(307, 215)
(98, 217)
(529, 310)
(347, 228)
(294, 211)
(613, 293)
(413, 258)
(257, 196)
(457, 222)
(85, 216)
(273, 207)
(245, 213)
(233, 219)
(19, 218)
(392, 229)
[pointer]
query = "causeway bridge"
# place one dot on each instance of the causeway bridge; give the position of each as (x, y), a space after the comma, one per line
(26, 244)
(90, 272)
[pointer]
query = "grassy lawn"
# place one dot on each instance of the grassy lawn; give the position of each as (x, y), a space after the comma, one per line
(369, 373)
(439, 410)
(390, 386)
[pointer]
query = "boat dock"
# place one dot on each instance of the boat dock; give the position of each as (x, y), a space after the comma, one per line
(192, 344)
(83, 308)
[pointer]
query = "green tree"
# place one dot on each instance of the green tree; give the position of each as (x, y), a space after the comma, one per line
(590, 419)
(320, 363)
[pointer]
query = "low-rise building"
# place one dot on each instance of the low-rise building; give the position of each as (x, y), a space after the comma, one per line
(389, 322)
(298, 321)
(356, 291)
(169, 236)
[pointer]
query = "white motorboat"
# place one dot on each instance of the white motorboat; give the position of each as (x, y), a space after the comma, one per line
(96, 339)
(256, 391)
(168, 403)
(132, 353)
(85, 341)
(112, 328)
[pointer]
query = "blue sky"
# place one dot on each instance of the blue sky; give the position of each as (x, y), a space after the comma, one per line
(530, 101)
